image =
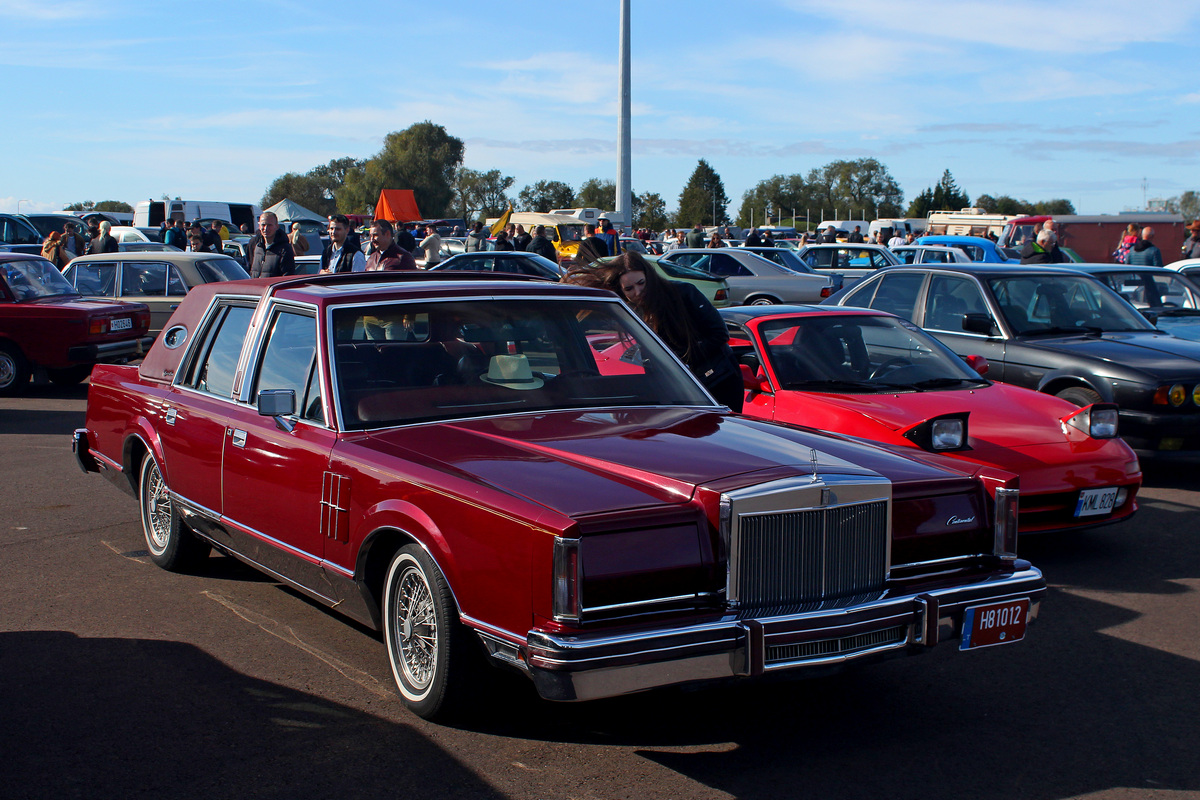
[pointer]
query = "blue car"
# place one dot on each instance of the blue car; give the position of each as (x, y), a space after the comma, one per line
(977, 247)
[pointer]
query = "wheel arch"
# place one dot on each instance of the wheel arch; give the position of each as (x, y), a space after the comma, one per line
(139, 443)
(1053, 383)
(375, 555)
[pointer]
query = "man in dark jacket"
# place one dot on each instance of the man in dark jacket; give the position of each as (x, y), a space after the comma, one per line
(753, 239)
(695, 237)
(589, 235)
(542, 245)
(522, 239)
(1191, 245)
(341, 254)
(1145, 253)
(270, 253)
(405, 239)
(856, 237)
(1044, 250)
(476, 241)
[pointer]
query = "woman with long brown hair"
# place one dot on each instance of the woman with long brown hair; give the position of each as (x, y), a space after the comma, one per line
(680, 315)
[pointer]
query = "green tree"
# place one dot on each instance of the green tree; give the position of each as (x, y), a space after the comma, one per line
(783, 194)
(945, 196)
(103, 205)
(1058, 206)
(650, 211)
(479, 195)
(422, 157)
(316, 189)
(703, 199)
(595, 193)
(545, 195)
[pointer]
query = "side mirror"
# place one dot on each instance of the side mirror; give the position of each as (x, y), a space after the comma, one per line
(278, 403)
(751, 381)
(978, 363)
(978, 323)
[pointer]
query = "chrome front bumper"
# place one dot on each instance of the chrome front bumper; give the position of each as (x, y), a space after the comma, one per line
(587, 667)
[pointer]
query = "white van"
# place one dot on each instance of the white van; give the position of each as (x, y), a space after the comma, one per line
(890, 227)
(152, 213)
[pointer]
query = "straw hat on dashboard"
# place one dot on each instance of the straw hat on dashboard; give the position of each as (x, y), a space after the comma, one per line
(513, 372)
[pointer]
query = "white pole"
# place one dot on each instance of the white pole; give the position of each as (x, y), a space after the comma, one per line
(624, 145)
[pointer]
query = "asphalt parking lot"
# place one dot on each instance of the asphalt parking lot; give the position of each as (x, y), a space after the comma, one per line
(118, 679)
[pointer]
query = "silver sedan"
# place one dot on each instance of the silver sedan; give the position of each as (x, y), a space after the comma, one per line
(752, 279)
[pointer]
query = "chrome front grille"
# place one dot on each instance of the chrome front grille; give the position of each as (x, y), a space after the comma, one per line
(810, 555)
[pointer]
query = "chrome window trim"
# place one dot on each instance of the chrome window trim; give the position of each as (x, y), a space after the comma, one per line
(650, 602)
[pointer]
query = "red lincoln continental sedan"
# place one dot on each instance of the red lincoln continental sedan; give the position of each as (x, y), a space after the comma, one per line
(444, 458)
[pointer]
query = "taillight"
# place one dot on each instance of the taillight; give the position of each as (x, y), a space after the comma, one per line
(1007, 505)
(141, 319)
(826, 291)
(721, 295)
(566, 580)
(98, 326)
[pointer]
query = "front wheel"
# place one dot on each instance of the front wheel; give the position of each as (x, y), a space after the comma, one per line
(172, 546)
(426, 644)
(14, 370)
(1079, 395)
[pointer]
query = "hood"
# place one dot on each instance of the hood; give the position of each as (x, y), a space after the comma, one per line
(1000, 414)
(1157, 354)
(578, 463)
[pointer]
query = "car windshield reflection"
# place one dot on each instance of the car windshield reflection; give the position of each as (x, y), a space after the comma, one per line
(1062, 304)
(34, 278)
(418, 362)
(851, 354)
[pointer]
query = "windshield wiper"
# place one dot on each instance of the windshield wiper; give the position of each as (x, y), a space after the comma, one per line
(939, 383)
(1091, 330)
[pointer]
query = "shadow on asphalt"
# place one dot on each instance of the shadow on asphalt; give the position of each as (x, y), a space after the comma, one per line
(91, 718)
(1073, 709)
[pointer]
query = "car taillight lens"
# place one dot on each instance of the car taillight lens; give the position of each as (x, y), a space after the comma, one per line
(1007, 505)
(721, 295)
(98, 326)
(1098, 420)
(566, 580)
(826, 291)
(141, 319)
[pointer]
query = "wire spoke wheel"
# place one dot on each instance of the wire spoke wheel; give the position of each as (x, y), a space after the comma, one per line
(417, 628)
(158, 511)
(427, 646)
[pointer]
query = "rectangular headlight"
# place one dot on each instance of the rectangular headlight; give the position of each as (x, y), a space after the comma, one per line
(948, 434)
(1098, 420)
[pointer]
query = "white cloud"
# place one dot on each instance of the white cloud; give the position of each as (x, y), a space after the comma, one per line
(14, 205)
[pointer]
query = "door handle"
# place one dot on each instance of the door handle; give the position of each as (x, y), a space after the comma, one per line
(239, 438)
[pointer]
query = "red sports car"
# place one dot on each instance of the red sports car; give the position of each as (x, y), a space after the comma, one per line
(873, 375)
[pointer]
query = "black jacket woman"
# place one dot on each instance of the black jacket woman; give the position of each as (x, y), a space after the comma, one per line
(682, 317)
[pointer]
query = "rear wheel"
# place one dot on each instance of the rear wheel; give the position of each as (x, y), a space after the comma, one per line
(761, 301)
(171, 544)
(427, 645)
(14, 370)
(1079, 395)
(70, 375)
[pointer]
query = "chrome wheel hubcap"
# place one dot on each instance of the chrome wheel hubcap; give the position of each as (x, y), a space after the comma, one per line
(416, 625)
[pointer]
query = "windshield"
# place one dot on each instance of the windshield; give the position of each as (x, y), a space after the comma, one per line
(568, 233)
(34, 278)
(213, 270)
(850, 354)
(414, 362)
(1050, 304)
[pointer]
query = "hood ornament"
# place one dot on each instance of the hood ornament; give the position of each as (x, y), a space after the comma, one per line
(812, 458)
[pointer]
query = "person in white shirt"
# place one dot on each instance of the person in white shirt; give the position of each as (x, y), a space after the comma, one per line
(340, 256)
(432, 245)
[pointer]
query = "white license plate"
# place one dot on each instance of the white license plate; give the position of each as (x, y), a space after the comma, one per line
(1093, 502)
(121, 324)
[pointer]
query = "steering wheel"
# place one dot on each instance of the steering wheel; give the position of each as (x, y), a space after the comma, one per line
(888, 366)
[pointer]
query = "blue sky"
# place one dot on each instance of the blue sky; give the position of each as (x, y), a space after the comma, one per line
(212, 101)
